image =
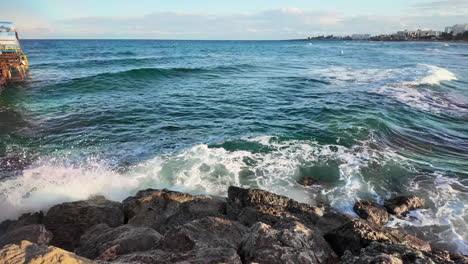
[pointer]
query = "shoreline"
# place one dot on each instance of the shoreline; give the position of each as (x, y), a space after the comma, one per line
(249, 226)
(368, 40)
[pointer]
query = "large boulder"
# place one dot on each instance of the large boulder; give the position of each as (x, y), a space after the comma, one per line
(199, 256)
(163, 209)
(372, 212)
(27, 252)
(358, 233)
(208, 232)
(207, 240)
(332, 220)
(291, 242)
(250, 206)
(33, 233)
(23, 220)
(386, 253)
(68, 221)
(119, 240)
(401, 205)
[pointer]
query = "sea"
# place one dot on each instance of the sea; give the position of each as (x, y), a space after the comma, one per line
(366, 120)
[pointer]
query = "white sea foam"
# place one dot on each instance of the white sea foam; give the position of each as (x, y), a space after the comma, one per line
(447, 211)
(406, 84)
(204, 169)
(200, 169)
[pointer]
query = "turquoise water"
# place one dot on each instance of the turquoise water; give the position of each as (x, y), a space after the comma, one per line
(114, 116)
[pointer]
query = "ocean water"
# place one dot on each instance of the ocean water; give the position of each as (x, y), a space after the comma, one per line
(114, 116)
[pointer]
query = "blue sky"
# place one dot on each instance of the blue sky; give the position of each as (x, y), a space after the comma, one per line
(216, 19)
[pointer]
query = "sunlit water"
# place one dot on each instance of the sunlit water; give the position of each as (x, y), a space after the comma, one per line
(113, 117)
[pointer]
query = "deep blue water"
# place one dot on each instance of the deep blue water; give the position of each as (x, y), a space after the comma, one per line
(114, 116)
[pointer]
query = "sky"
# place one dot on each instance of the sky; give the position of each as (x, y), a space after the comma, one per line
(221, 19)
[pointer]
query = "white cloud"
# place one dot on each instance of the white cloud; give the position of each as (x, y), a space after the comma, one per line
(442, 8)
(282, 23)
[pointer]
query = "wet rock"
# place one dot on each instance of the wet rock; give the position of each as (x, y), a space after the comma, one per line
(306, 181)
(208, 232)
(118, 241)
(292, 242)
(27, 252)
(378, 252)
(163, 209)
(33, 233)
(401, 205)
(199, 256)
(372, 212)
(68, 221)
(250, 206)
(358, 233)
(23, 220)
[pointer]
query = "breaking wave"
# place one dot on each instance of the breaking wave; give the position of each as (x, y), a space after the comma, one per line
(407, 84)
(263, 162)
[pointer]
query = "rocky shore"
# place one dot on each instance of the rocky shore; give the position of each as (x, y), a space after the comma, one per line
(249, 226)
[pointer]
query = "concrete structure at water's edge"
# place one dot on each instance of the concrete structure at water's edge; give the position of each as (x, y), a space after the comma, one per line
(13, 62)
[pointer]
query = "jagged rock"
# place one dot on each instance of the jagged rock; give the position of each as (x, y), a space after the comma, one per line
(378, 252)
(33, 233)
(208, 232)
(250, 206)
(199, 256)
(68, 221)
(23, 220)
(401, 205)
(306, 181)
(30, 253)
(163, 209)
(110, 254)
(358, 233)
(291, 242)
(123, 239)
(331, 220)
(372, 212)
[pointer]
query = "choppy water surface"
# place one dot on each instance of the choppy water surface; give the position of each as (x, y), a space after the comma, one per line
(112, 117)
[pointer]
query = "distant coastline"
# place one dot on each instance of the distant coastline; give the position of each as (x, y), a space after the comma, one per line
(372, 40)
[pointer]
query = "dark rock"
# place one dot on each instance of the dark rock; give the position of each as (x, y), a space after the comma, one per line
(27, 252)
(110, 254)
(123, 239)
(163, 209)
(371, 212)
(378, 252)
(32, 233)
(250, 206)
(209, 232)
(306, 181)
(68, 221)
(291, 242)
(199, 256)
(332, 220)
(23, 220)
(358, 233)
(401, 205)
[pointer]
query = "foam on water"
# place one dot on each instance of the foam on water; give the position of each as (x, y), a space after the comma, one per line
(48, 183)
(211, 169)
(447, 212)
(407, 84)
(199, 169)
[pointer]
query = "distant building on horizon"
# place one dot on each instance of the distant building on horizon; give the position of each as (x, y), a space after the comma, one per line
(419, 33)
(457, 29)
(360, 36)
